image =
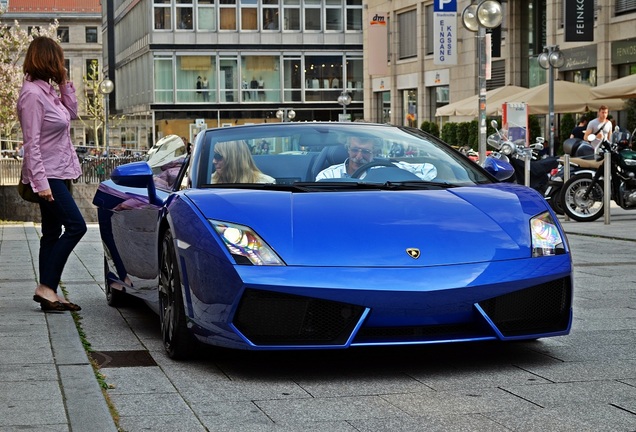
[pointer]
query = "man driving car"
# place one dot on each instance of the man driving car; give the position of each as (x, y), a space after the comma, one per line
(361, 151)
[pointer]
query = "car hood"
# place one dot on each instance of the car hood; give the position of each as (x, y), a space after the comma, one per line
(383, 228)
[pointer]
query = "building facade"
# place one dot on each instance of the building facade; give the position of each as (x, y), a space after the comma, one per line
(184, 64)
(79, 32)
(414, 86)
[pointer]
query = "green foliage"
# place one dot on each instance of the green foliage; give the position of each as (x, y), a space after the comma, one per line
(449, 133)
(430, 127)
(630, 107)
(568, 122)
(463, 134)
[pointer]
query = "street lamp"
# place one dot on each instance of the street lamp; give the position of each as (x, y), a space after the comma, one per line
(551, 58)
(344, 99)
(285, 114)
(106, 87)
(477, 18)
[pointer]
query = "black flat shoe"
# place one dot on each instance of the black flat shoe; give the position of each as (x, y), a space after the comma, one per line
(47, 305)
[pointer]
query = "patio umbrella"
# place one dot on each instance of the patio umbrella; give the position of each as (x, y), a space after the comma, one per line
(569, 97)
(623, 88)
(469, 106)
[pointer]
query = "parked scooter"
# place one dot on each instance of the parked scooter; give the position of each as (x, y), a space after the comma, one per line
(583, 194)
(518, 154)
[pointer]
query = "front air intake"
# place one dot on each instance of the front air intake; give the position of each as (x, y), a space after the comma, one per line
(271, 318)
(539, 309)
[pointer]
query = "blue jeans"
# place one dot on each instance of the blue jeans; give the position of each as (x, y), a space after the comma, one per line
(56, 246)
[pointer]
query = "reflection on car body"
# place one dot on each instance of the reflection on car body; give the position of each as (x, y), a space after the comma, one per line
(381, 259)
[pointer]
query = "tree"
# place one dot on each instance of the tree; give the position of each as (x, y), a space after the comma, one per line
(94, 103)
(14, 42)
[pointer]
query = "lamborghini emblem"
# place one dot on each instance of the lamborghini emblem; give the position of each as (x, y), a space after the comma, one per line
(413, 252)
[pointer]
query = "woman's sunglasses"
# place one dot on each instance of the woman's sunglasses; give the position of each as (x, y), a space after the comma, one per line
(217, 157)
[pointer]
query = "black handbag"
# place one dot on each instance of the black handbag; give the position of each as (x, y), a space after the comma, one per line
(26, 192)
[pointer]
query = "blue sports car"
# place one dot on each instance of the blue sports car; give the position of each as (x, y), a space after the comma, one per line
(331, 235)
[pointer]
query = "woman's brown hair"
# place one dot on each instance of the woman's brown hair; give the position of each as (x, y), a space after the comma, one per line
(44, 60)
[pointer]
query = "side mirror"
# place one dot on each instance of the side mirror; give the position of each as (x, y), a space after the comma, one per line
(136, 175)
(494, 124)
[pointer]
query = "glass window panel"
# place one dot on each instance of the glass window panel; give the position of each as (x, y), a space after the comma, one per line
(228, 18)
(312, 19)
(323, 78)
(206, 19)
(354, 19)
(270, 19)
(62, 34)
(334, 19)
(195, 79)
(292, 19)
(249, 19)
(228, 80)
(261, 79)
(163, 81)
(184, 18)
(163, 18)
(292, 79)
(91, 34)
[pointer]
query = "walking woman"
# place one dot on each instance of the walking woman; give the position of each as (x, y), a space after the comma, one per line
(50, 162)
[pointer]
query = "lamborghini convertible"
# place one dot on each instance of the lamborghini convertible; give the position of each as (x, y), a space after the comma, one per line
(305, 252)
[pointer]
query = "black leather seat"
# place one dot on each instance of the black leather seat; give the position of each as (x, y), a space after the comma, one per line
(328, 156)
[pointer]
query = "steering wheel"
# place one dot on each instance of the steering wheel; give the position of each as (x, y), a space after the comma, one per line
(374, 163)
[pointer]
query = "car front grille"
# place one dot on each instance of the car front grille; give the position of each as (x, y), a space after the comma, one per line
(271, 318)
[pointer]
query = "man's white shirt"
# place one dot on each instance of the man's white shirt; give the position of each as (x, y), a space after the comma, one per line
(425, 171)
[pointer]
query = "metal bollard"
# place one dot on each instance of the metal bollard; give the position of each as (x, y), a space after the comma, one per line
(566, 176)
(526, 168)
(607, 186)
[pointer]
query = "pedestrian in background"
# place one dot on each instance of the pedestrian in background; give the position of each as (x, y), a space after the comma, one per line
(50, 163)
(579, 129)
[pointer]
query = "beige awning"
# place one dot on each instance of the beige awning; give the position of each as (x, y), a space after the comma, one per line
(624, 88)
(470, 105)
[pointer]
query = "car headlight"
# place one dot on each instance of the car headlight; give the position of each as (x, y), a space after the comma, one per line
(546, 239)
(245, 246)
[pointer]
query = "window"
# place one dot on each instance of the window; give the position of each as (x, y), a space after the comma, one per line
(333, 15)
(184, 15)
(92, 69)
(271, 18)
(354, 79)
(164, 88)
(407, 23)
(162, 15)
(292, 79)
(91, 34)
(227, 14)
(430, 37)
(354, 15)
(260, 78)
(206, 15)
(291, 15)
(67, 66)
(323, 78)
(228, 80)
(249, 15)
(195, 79)
(62, 34)
(313, 15)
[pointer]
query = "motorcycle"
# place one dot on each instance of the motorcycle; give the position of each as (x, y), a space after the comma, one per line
(581, 158)
(583, 194)
(516, 152)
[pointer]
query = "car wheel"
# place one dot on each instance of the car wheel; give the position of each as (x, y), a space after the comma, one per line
(114, 297)
(178, 341)
(576, 205)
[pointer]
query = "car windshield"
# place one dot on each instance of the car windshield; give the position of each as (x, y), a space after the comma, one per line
(328, 156)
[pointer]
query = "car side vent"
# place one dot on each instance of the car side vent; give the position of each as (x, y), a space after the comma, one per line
(542, 308)
(271, 318)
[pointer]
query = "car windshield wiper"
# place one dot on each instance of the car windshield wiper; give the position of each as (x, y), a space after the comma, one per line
(417, 184)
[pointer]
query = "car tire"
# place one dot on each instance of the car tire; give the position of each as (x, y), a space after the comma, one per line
(575, 205)
(178, 341)
(114, 297)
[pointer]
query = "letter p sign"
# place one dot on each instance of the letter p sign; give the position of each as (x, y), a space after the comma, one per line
(445, 6)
